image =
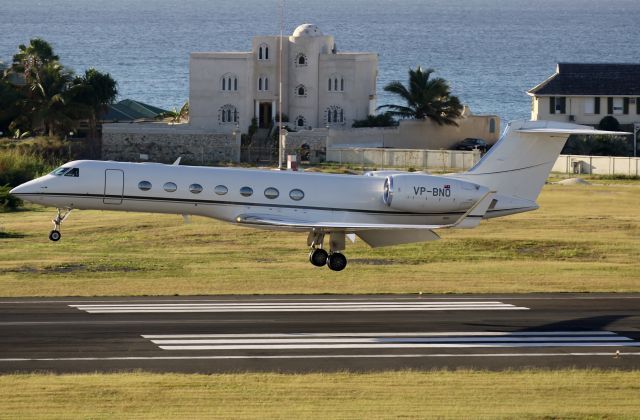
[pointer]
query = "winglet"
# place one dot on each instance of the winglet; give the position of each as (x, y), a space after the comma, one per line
(177, 162)
(474, 215)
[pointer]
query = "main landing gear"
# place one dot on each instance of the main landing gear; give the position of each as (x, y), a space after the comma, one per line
(62, 215)
(333, 259)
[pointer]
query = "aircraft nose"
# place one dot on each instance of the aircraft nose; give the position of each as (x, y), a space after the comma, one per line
(26, 188)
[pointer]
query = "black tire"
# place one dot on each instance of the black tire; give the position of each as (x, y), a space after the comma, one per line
(337, 261)
(318, 257)
(54, 235)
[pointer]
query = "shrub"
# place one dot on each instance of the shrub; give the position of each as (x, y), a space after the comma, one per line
(598, 146)
(379, 120)
(609, 123)
(8, 202)
(17, 167)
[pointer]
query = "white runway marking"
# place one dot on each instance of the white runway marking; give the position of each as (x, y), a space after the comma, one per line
(309, 306)
(328, 341)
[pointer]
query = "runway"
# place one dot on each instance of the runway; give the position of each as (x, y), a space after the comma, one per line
(319, 333)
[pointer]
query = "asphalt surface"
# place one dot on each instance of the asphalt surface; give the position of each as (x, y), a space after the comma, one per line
(320, 333)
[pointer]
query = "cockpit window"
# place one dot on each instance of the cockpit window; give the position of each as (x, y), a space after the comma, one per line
(60, 171)
(74, 172)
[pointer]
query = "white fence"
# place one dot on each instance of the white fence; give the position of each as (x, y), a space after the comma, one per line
(597, 165)
(405, 158)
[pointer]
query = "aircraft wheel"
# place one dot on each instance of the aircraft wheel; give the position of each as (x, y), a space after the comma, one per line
(55, 235)
(318, 257)
(337, 261)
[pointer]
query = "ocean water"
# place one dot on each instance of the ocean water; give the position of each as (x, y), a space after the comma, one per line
(491, 51)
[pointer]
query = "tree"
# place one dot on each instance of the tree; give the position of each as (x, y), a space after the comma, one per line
(30, 58)
(609, 123)
(425, 98)
(49, 99)
(176, 116)
(95, 91)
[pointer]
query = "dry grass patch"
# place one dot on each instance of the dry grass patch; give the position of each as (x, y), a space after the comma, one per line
(442, 394)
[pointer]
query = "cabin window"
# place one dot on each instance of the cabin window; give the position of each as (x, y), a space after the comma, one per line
(74, 172)
(60, 171)
(220, 190)
(246, 191)
(144, 185)
(271, 193)
(170, 187)
(195, 188)
(296, 194)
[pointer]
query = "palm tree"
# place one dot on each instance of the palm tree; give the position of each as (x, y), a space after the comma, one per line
(48, 99)
(176, 116)
(30, 58)
(425, 98)
(95, 90)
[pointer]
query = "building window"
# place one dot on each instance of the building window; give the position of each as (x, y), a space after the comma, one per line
(301, 90)
(229, 82)
(246, 191)
(263, 52)
(144, 185)
(220, 190)
(615, 106)
(296, 194)
(592, 106)
(557, 105)
(638, 105)
(301, 60)
(228, 114)
(195, 188)
(263, 83)
(625, 106)
(170, 187)
(334, 115)
(336, 83)
(492, 126)
(271, 193)
(301, 121)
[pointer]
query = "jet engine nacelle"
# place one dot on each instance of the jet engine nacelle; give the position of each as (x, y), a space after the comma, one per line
(428, 194)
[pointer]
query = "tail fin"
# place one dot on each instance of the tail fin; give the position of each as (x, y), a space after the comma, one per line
(519, 163)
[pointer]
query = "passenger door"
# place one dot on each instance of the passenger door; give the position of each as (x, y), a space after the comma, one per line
(113, 186)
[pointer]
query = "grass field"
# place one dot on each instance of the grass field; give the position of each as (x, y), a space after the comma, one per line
(406, 394)
(582, 239)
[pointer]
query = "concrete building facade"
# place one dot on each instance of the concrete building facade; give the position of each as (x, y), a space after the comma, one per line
(320, 86)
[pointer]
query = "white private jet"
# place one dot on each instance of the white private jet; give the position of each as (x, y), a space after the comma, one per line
(383, 208)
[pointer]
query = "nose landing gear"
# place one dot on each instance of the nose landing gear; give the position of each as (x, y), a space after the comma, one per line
(332, 259)
(62, 215)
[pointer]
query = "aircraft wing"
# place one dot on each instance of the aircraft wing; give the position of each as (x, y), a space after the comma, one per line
(468, 220)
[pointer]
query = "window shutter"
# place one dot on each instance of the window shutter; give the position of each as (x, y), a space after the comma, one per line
(625, 106)
(552, 105)
(596, 105)
(610, 105)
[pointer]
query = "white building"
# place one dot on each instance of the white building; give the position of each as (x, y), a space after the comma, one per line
(320, 86)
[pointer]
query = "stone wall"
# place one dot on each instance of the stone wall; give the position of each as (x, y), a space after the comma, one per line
(164, 143)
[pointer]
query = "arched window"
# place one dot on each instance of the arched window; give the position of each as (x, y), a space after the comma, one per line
(301, 60)
(263, 52)
(229, 82)
(301, 90)
(336, 83)
(228, 114)
(301, 121)
(263, 83)
(334, 115)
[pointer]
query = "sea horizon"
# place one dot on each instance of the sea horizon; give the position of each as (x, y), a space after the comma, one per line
(490, 51)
